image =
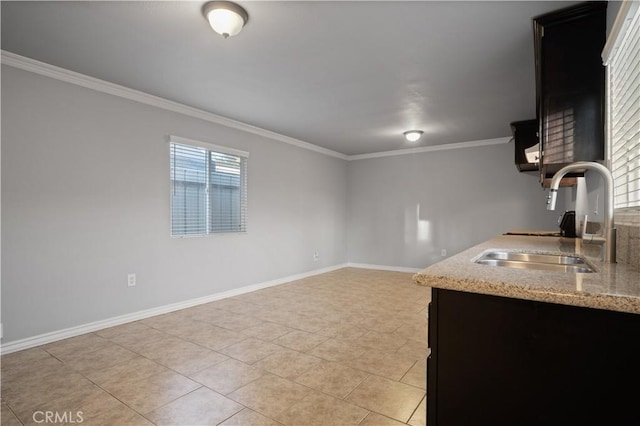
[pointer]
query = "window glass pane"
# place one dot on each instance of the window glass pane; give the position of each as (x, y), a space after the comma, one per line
(226, 192)
(188, 190)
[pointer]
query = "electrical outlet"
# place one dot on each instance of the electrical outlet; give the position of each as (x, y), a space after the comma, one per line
(131, 280)
(316, 256)
(443, 252)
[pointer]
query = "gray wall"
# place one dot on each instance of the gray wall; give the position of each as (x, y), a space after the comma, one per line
(85, 200)
(403, 210)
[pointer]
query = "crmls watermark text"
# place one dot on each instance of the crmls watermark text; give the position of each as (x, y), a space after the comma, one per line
(58, 417)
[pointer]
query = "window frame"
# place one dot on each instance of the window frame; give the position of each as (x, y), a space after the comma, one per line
(209, 147)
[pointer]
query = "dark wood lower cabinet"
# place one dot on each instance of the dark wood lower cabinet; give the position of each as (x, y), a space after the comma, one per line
(502, 361)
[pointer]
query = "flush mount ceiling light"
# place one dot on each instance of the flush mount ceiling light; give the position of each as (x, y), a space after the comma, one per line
(226, 18)
(413, 135)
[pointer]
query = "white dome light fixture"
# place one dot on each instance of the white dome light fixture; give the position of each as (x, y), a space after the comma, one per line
(413, 135)
(226, 18)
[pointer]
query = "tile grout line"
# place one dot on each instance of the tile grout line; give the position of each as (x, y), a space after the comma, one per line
(407, 372)
(416, 409)
(382, 377)
(118, 399)
(143, 378)
(356, 387)
(12, 412)
(173, 400)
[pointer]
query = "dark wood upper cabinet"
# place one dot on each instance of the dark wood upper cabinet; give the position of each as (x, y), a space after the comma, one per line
(570, 85)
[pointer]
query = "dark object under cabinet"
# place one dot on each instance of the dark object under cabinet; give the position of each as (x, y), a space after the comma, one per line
(502, 361)
(525, 135)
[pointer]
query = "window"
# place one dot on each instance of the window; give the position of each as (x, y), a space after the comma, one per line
(622, 57)
(208, 188)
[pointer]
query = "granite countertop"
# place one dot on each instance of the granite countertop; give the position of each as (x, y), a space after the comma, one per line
(614, 287)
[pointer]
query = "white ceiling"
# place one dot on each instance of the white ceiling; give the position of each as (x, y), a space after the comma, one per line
(346, 76)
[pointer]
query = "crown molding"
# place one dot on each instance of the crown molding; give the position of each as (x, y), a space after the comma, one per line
(444, 147)
(68, 76)
(62, 74)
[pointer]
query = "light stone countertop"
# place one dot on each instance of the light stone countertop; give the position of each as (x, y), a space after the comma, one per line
(614, 287)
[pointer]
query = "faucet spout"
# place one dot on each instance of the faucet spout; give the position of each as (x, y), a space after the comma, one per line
(609, 233)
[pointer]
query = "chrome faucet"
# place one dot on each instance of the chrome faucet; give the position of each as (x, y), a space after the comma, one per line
(608, 237)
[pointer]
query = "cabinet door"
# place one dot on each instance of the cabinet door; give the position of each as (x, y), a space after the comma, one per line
(480, 364)
(570, 85)
(502, 361)
(587, 366)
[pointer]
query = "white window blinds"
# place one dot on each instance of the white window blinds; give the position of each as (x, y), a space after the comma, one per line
(208, 188)
(623, 65)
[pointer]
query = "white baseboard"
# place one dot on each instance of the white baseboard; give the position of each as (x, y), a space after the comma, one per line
(41, 339)
(383, 267)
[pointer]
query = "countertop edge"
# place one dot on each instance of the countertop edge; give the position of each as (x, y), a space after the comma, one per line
(614, 288)
(626, 304)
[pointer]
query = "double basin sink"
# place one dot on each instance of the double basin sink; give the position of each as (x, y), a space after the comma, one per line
(539, 261)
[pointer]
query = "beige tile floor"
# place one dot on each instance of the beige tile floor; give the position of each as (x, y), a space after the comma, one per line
(344, 348)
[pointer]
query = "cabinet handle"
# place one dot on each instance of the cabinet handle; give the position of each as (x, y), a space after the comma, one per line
(428, 319)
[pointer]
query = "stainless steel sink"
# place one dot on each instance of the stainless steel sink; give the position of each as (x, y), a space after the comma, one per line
(561, 259)
(540, 261)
